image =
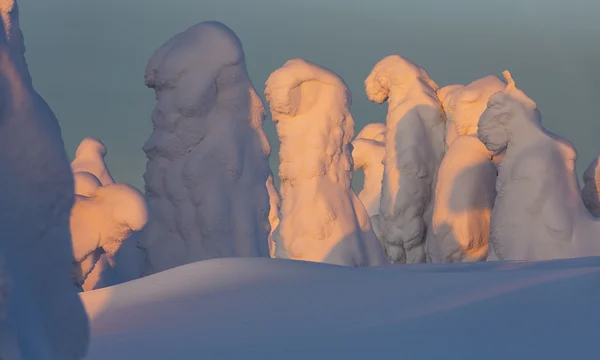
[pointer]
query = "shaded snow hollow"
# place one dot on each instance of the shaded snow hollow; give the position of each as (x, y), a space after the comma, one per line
(281, 309)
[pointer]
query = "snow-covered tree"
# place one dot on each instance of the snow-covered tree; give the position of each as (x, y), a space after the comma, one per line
(591, 184)
(125, 261)
(368, 151)
(414, 149)
(101, 222)
(44, 313)
(322, 220)
(466, 181)
(207, 156)
(538, 213)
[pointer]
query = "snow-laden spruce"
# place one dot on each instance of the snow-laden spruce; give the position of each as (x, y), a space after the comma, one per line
(44, 315)
(538, 213)
(322, 220)
(466, 181)
(591, 184)
(414, 149)
(123, 261)
(368, 151)
(207, 156)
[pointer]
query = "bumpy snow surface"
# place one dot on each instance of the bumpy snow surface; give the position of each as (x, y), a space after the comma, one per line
(208, 156)
(281, 309)
(44, 314)
(322, 219)
(414, 149)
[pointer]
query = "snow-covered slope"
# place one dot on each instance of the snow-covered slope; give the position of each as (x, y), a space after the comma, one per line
(281, 309)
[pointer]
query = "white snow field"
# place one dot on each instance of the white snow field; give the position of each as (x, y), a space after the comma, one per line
(282, 309)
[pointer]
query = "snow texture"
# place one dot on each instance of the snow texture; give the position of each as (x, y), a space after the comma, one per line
(292, 310)
(207, 156)
(322, 220)
(275, 205)
(591, 184)
(45, 315)
(466, 181)
(125, 261)
(538, 213)
(414, 149)
(446, 96)
(368, 151)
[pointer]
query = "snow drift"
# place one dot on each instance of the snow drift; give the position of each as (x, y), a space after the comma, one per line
(44, 315)
(466, 181)
(414, 149)
(322, 220)
(368, 151)
(207, 156)
(319, 311)
(538, 213)
(591, 184)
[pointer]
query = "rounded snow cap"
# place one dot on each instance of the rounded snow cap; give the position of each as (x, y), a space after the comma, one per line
(511, 88)
(373, 131)
(89, 147)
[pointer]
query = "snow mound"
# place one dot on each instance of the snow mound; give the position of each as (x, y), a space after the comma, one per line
(207, 156)
(89, 157)
(414, 149)
(322, 220)
(216, 309)
(591, 184)
(466, 181)
(44, 315)
(538, 213)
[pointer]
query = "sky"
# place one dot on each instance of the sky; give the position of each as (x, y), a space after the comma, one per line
(87, 58)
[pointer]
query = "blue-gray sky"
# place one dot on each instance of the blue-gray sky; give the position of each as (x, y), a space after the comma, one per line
(87, 58)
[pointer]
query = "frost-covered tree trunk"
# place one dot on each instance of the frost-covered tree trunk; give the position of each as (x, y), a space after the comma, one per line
(45, 311)
(322, 220)
(207, 156)
(414, 149)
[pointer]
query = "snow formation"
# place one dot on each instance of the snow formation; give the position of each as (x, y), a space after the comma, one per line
(447, 97)
(591, 184)
(538, 213)
(414, 149)
(89, 157)
(207, 156)
(368, 151)
(45, 315)
(322, 220)
(466, 181)
(275, 204)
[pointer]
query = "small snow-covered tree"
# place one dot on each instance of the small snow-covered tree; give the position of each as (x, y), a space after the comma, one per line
(322, 220)
(591, 185)
(125, 260)
(207, 156)
(36, 193)
(538, 213)
(414, 149)
(368, 151)
(466, 181)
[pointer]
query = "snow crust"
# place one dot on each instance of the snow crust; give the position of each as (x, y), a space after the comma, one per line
(216, 309)
(322, 220)
(368, 151)
(465, 190)
(207, 156)
(538, 213)
(44, 316)
(414, 149)
(591, 184)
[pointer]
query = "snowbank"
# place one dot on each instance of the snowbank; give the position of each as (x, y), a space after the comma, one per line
(466, 181)
(414, 149)
(217, 310)
(44, 312)
(322, 220)
(368, 151)
(538, 213)
(591, 184)
(207, 158)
